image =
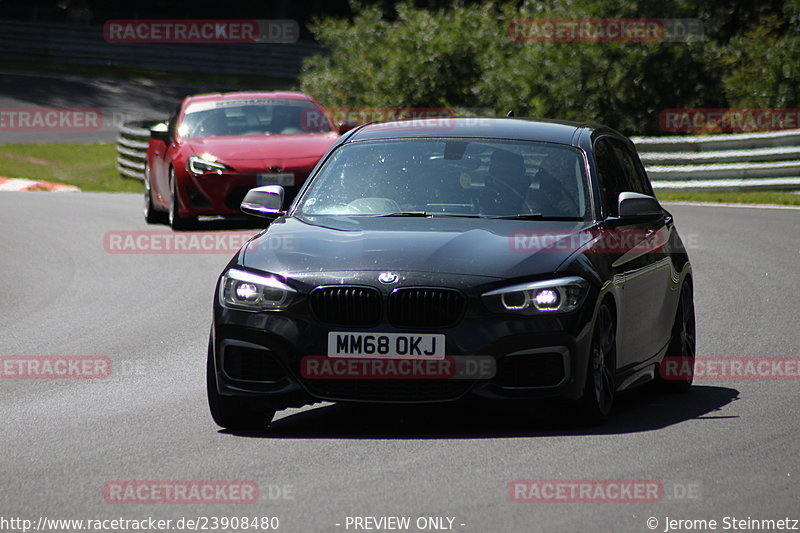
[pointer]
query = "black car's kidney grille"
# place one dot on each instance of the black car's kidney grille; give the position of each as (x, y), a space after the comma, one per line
(346, 306)
(425, 307)
(409, 307)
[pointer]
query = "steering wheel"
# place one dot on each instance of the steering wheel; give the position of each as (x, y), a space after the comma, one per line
(509, 188)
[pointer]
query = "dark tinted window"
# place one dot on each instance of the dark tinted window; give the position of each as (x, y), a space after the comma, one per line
(253, 116)
(612, 177)
(634, 179)
(450, 176)
(620, 171)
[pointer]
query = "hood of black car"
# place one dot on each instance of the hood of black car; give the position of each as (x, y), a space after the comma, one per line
(465, 246)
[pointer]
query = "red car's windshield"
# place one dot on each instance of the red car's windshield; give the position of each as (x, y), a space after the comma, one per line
(253, 116)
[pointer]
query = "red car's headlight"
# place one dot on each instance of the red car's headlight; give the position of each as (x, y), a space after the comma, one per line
(198, 165)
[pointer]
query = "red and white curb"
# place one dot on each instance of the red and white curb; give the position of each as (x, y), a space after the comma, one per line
(18, 184)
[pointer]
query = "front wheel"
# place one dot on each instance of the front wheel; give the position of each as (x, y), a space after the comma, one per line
(600, 388)
(151, 215)
(175, 220)
(229, 411)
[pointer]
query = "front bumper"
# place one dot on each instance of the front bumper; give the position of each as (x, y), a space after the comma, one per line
(541, 357)
(213, 194)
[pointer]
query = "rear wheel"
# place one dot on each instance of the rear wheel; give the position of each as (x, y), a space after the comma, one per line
(600, 388)
(175, 219)
(231, 412)
(676, 372)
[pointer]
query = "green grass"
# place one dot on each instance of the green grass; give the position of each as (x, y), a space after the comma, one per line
(731, 197)
(91, 167)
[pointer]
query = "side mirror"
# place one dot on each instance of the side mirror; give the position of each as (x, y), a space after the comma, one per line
(265, 202)
(633, 205)
(160, 132)
(345, 126)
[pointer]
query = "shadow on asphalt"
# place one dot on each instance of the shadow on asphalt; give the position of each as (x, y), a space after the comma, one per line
(645, 409)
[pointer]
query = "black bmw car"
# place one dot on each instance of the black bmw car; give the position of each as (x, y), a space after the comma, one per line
(444, 260)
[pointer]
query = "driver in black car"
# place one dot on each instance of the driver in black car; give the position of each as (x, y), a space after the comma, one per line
(556, 178)
(506, 185)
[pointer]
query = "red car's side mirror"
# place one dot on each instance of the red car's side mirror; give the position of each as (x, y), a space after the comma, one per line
(160, 132)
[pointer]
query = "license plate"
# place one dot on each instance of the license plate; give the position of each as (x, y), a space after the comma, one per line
(394, 345)
(285, 178)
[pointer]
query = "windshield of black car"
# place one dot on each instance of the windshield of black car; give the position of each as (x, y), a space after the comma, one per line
(450, 177)
(257, 116)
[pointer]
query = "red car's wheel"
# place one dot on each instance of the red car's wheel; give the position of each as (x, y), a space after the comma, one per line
(151, 214)
(175, 219)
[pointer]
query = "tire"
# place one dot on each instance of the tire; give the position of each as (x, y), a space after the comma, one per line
(231, 412)
(175, 220)
(600, 389)
(151, 214)
(681, 350)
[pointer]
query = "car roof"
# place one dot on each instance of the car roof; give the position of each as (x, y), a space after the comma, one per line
(289, 95)
(545, 130)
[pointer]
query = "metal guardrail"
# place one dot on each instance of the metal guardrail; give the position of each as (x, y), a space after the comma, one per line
(132, 141)
(86, 45)
(675, 163)
(723, 162)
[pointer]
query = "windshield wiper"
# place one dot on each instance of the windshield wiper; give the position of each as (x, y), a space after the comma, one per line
(535, 216)
(457, 215)
(521, 216)
(407, 214)
(431, 215)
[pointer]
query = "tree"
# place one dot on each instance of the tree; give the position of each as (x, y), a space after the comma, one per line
(464, 58)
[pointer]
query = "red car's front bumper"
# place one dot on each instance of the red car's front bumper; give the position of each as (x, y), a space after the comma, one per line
(212, 194)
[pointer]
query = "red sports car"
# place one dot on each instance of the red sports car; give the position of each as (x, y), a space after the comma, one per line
(216, 147)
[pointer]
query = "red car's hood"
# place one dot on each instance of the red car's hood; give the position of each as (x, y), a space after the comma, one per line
(259, 147)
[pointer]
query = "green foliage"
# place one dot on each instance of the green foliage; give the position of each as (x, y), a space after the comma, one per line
(764, 64)
(464, 58)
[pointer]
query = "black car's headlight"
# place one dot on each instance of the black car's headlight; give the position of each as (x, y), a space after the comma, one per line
(252, 292)
(200, 165)
(560, 295)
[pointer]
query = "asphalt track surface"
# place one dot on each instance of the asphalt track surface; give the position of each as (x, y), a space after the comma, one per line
(727, 448)
(114, 101)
